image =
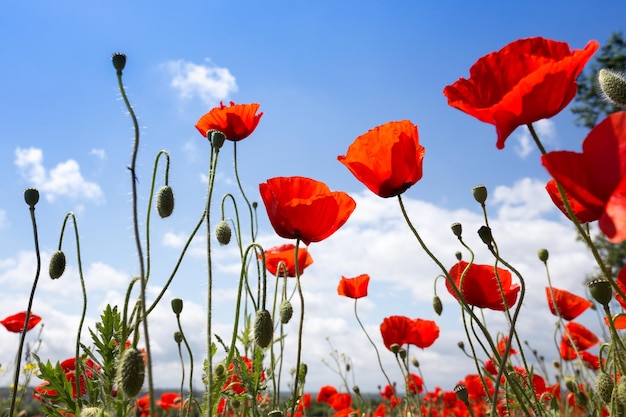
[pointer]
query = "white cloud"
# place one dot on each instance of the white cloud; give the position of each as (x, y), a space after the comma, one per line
(98, 153)
(64, 180)
(546, 131)
(208, 82)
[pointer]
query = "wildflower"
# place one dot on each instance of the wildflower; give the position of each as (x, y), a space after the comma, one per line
(234, 382)
(576, 336)
(236, 121)
(287, 255)
(169, 400)
(354, 287)
(414, 384)
(340, 401)
(15, 322)
(527, 80)
(569, 305)
(386, 159)
(305, 209)
(401, 330)
(325, 393)
(479, 285)
(595, 179)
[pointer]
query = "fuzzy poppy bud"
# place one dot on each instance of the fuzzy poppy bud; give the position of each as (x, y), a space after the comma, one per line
(613, 85)
(216, 138)
(461, 393)
(119, 61)
(177, 305)
(263, 328)
(165, 201)
(223, 232)
(457, 229)
(94, 412)
(437, 305)
(57, 264)
(604, 387)
(601, 291)
(131, 372)
(485, 235)
(480, 193)
(31, 196)
(235, 403)
(571, 384)
(219, 370)
(621, 392)
(543, 255)
(178, 337)
(275, 413)
(458, 255)
(415, 362)
(285, 311)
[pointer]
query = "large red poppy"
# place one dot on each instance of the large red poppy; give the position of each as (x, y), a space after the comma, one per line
(386, 159)
(236, 121)
(401, 330)
(325, 393)
(480, 286)
(287, 255)
(354, 287)
(169, 400)
(582, 213)
(305, 209)
(15, 322)
(568, 305)
(596, 178)
(527, 80)
(340, 401)
(581, 337)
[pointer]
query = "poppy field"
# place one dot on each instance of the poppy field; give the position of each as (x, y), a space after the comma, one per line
(245, 373)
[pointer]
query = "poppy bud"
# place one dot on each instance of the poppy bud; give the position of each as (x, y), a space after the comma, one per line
(480, 193)
(275, 413)
(235, 403)
(485, 235)
(93, 412)
(543, 255)
(458, 255)
(437, 306)
(216, 138)
(31, 196)
(178, 337)
(402, 353)
(57, 264)
(581, 399)
(353, 414)
(621, 392)
(219, 370)
(604, 387)
(461, 393)
(285, 311)
(255, 204)
(415, 362)
(356, 389)
(165, 201)
(457, 229)
(223, 232)
(601, 291)
(461, 345)
(571, 384)
(177, 305)
(131, 372)
(613, 85)
(119, 61)
(263, 328)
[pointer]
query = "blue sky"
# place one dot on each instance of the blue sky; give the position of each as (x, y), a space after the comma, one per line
(324, 72)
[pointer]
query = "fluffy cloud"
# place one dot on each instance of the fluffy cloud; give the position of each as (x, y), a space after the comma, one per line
(208, 82)
(64, 180)
(546, 131)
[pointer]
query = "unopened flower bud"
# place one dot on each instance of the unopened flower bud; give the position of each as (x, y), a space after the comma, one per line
(57, 264)
(571, 384)
(461, 393)
(223, 232)
(93, 412)
(601, 291)
(543, 255)
(165, 201)
(235, 403)
(604, 387)
(216, 138)
(415, 362)
(178, 337)
(437, 305)
(131, 372)
(356, 389)
(285, 311)
(219, 370)
(485, 235)
(461, 345)
(621, 392)
(177, 305)
(480, 193)
(31, 196)
(119, 61)
(275, 413)
(255, 204)
(613, 85)
(263, 328)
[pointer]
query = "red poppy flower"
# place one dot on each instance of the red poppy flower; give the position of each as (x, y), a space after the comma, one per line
(480, 286)
(502, 342)
(15, 323)
(621, 283)
(569, 305)
(619, 321)
(414, 384)
(69, 364)
(386, 159)
(304, 402)
(233, 381)
(527, 80)
(354, 287)
(325, 393)
(582, 339)
(590, 360)
(236, 122)
(169, 400)
(40, 392)
(340, 401)
(401, 330)
(582, 214)
(287, 255)
(596, 178)
(305, 209)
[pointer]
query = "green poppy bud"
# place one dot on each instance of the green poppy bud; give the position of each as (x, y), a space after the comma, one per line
(285, 311)
(178, 337)
(263, 328)
(275, 413)
(604, 387)
(613, 85)
(177, 305)
(31, 196)
(437, 305)
(119, 61)
(223, 232)
(131, 372)
(165, 201)
(219, 370)
(543, 255)
(621, 392)
(94, 412)
(57, 264)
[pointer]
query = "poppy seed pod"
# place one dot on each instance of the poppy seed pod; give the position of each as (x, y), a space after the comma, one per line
(177, 305)
(263, 328)
(165, 201)
(457, 229)
(178, 337)
(223, 232)
(543, 255)
(601, 291)
(285, 311)
(131, 372)
(604, 387)
(613, 85)
(480, 193)
(461, 393)
(485, 235)
(119, 61)
(216, 138)
(275, 413)
(458, 255)
(31, 196)
(57, 264)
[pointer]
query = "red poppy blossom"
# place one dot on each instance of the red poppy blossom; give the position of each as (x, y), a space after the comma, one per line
(354, 287)
(621, 283)
(169, 400)
(40, 392)
(480, 288)
(401, 330)
(325, 393)
(340, 401)
(527, 80)
(233, 381)
(287, 255)
(305, 209)
(619, 321)
(596, 178)
(386, 159)
(236, 121)
(15, 323)
(569, 305)
(581, 338)
(582, 213)
(414, 384)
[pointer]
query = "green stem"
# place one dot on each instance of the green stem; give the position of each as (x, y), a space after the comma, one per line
(300, 327)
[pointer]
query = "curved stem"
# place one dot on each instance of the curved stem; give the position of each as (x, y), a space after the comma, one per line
(300, 327)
